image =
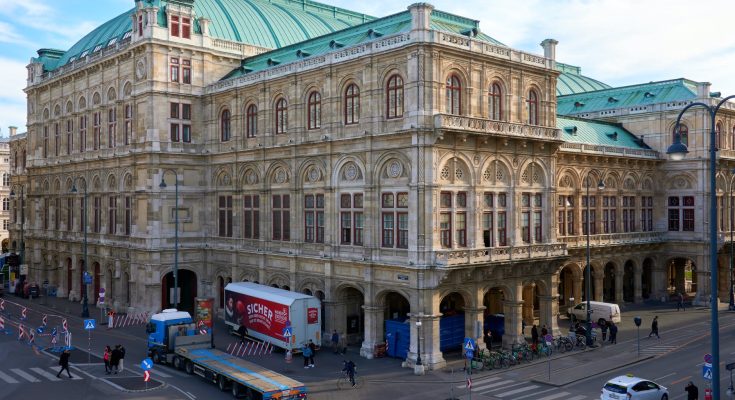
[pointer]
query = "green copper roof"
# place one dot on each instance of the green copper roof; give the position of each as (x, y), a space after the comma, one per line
(572, 81)
(627, 96)
(586, 131)
(264, 23)
(369, 31)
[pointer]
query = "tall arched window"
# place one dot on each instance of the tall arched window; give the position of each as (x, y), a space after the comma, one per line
(225, 126)
(683, 133)
(732, 138)
(495, 101)
(532, 107)
(352, 104)
(314, 114)
(718, 135)
(281, 115)
(251, 121)
(454, 95)
(394, 99)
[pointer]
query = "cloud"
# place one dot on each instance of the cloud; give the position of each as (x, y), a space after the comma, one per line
(8, 34)
(12, 97)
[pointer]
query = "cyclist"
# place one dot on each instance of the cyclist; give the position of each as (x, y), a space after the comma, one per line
(349, 369)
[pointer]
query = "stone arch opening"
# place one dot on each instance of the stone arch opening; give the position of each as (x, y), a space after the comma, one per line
(320, 295)
(350, 314)
(593, 286)
(569, 286)
(96, 287)
(682, 276)
(69, 277)
(494, 318)
(397, 325)
(647, 279)
(126, 285)
(608, 283)
(451, 323)
(307, 291)
(629, 282)
(187, 290)
(221, 284)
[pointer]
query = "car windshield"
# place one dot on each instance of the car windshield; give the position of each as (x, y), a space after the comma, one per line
(615, 388)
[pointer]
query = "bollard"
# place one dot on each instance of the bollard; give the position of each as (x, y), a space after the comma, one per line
(708, 394)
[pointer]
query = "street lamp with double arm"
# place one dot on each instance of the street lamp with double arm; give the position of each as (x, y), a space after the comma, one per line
(677, 151)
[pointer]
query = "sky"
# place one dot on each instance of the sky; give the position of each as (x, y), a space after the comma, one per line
(619, 42)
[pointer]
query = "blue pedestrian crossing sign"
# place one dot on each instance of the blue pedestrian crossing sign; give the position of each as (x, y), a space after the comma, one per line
(287, 332)
(469, 354)
(469, 344)
(146, 364)
(707, 371)
(89, 324)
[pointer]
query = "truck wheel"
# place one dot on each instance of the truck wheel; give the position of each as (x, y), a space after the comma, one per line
(157, 358)
(222, 383)
(189, 367)
(236, 390)
(177, 363)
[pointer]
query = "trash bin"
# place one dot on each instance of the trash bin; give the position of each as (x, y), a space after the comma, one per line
(379, 351)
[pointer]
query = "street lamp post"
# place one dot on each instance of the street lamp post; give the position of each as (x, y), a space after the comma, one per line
(677, 151)
(85, 300)
(588, 273)
(571, 312)
(418, 342)
(176, 230)
(731, 306)
(22, 222)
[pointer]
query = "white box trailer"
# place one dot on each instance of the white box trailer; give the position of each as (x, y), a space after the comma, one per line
(267, 312)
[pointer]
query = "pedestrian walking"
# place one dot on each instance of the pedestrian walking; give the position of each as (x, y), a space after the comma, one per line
(544, 330)
(110, 318)
(115, 359)
(489, 340)
(306, 352)
(534, 335)
(335, 342)
(106, 358)
(64, 362)
(343, 342)
(603, 329)
(243, 332)
(122, 357)
(312, 346)
(692, 391)
(654, 328)
(613, 333)
(680, 302)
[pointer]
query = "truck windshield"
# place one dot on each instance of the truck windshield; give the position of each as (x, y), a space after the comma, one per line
(150, 328)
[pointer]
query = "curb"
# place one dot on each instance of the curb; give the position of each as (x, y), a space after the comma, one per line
(122, 389)
(545, 382)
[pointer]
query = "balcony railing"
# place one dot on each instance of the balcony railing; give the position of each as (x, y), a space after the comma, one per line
(491, 127)
(499, 254)
(613, 239)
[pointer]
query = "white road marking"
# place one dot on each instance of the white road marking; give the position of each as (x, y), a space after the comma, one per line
(537, 393)
(475, 389)
(554, 396)
(25, 375)
(521, 390)
(74, 376)
(479, 382)
(45, 374)
(665, 376)
(7, 378)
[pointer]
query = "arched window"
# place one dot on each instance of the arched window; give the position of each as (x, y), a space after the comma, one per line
(225, 126)
(683, 133)
(314, 114)
(718, 135)
(281, 115)
(454, 95)
(352, 104)
(394, 99)
(732, 138)
(495, 102)
(532, 107)
(251, 121)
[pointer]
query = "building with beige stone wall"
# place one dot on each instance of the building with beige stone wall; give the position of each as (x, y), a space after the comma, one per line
(405, 168)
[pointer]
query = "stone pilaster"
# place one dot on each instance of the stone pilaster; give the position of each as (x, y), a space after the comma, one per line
(371, 329)
(513, 314)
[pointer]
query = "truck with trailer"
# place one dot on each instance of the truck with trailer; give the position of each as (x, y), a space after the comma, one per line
(173, 338)
(267, 311)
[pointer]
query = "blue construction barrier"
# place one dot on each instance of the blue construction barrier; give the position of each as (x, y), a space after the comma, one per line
(398, 336)
(451, 332)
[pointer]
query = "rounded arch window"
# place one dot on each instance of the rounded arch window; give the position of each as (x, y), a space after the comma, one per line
(314, 114)
(495, 101)
(281, 115)
(352, 104)
(394, 98)
(225, 125)
(251, 121)
(454, 95)
(532, 107)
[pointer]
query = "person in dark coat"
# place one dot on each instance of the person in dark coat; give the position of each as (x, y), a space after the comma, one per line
(335, 342)
(242, 331)
(115, 359)
(122, 357)
(534, 335)
(680, 303)
(692, 391)
(312, 346)
(64, 362)
(654, 328)
(613, 333)
(603, 329)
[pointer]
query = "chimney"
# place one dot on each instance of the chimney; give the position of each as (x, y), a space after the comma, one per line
(204, 25)
(420, 16)
(549, 46)
(13, 130)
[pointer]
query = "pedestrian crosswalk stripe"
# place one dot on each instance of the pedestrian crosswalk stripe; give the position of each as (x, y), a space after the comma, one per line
(521, 390)
(479, 382)
(580, 397)
(498, 386)
(25, 375)
(555, 396)
(7, 378)
(45, 374)
(74, 376)
(536, 394)
(483, 387)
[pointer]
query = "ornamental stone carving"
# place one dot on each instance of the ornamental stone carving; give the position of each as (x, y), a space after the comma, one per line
(395, 169)
(280, 176)
(350, 172)
(314, 174)
(250, 177)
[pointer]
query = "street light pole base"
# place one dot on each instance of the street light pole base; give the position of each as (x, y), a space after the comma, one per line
(85, 309)
(419, 370)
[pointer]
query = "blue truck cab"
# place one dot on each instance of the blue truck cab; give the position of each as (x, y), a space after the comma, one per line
(163, 329)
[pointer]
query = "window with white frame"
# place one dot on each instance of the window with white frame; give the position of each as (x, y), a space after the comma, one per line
(314, 218)
(565, 215)
(351, 219)
(394, 219)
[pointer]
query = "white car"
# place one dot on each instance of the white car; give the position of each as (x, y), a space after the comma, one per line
(628, 387)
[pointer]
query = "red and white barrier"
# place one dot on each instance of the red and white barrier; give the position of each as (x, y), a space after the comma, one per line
(122, 321)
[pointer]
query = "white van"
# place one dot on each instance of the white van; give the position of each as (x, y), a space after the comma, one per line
(600, 311)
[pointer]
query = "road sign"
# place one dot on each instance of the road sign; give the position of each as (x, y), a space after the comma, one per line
(708, 358)
(707, 371)
(469, 344)
(548, 339)
(287, 332)
(146, 364)
(89, 324)
(146, 376)
(87, 278)
(469, 354)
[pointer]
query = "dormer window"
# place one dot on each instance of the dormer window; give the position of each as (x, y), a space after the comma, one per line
(112, 41)
(127, 35)
(648, 95)
(97, 48)
(174, 25)
(84, 54)
(180, 27)
(186, 28)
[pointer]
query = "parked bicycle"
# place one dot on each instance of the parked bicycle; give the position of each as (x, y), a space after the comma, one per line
(343, 382)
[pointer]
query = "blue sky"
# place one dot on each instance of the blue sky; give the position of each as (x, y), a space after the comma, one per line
(619, 42)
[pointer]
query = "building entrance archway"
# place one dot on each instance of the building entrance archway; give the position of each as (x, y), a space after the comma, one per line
(187, 290)
(451, 324)
(647, 279)
(397, 331)
(494, 318)
(681, 276)
(608, 283)
(628, 282)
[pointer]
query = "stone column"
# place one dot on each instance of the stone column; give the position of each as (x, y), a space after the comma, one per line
(638, 285)
(703, 289)
(618, 286)
(473, 325)
(513, 314)
(549, 310)
(371, 338)
(577, 290)
(431, 356)
(528, 316)
(599, 279)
